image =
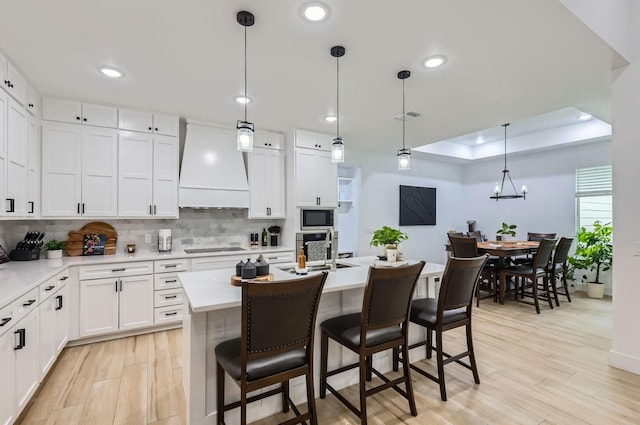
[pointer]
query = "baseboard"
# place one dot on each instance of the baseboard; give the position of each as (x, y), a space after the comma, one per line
(624, 362)
(117, 335)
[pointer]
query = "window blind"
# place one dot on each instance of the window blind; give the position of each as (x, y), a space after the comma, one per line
(594, 181)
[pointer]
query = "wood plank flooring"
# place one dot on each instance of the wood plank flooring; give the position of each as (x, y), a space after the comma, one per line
(546, 369)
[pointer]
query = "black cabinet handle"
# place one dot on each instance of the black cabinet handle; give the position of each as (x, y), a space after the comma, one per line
(33, 206)
(78, 118)
(150, 209)
(156, 129)
(10, 84)
(171, 281)
(59, 302)
(84, 119)
(78, 208)
(5, 320)
(170, 297)
(31, 105)
(118, 270)
(50, 287)
(170, 266)
(120, 285)
(116, 285)
(64, 278)
(83, 208)
(155, 209)
(149, 128)
(12, 205)
(21, 339)
(171, 314)
(28, 303)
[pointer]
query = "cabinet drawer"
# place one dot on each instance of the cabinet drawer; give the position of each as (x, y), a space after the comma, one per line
(213, 263)
(166, 281)
(178, 265)
(25, 304)
(280, 257)
(7, 318)
(48, 288)
(163, 315)
(115, 270)
(168, 297)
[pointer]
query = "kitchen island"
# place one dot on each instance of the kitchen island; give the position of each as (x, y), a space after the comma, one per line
(212, 315)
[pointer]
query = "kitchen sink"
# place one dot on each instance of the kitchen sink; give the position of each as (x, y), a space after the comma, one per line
(319, 267)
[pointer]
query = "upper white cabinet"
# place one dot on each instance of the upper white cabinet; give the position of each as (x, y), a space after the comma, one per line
(34, 137)
(15, 84)
(79, 112)
(266, 183)
(313, 140)
(4, 100)
(34, 104)
(148, 122)
(79, 171)
(17, 149)
(268, 139)
(315, 179)
(148, 175)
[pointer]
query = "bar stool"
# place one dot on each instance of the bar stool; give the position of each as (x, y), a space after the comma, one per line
(267, 352)
(467, 247)
(382, 325)
(452, 309)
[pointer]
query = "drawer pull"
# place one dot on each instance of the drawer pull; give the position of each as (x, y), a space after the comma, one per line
(21, 339)
(173, 313)
(59, 302)
(50, 287)
(171, 281)
(5, 320)
(170, 297)
(169, 266)
(64, 278)
(28, 303)
(118, 270)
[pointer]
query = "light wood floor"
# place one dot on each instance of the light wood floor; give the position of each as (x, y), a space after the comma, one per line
(546, 369)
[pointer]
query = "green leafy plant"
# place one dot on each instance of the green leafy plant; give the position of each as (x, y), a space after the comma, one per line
(594, 250)
(507, 229)
(54, 244)
(387, 236)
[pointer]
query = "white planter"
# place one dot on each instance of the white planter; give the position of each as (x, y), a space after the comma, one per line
(595, 290)
(392, 254)
(56, 253)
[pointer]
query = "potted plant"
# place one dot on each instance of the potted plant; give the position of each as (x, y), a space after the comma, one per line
(594, 252)
(505, 231)
(388, 238)
(54, 248)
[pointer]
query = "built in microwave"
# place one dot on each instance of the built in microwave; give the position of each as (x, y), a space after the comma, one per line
(311, 219)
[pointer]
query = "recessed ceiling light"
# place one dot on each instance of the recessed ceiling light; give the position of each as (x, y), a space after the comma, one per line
(330, 118)
(584, 117)
(479, 140)
(110, 72)
(314, 12)
(243, 100)
(434, 61)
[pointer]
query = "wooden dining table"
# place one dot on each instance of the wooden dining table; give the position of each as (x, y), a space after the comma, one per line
(503, 250)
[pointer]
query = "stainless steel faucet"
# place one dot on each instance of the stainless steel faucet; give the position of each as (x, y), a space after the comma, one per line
(329, 244)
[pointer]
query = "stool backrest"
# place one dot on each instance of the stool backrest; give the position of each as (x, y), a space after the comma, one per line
(538, 237)
(279, 316)
(463, 246)
(459, 282)
(543, 255)
(562, 250)
(387, 296)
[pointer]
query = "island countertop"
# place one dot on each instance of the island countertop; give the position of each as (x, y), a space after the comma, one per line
(212, 290)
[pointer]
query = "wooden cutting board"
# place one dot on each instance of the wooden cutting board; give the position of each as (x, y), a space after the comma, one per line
(237, 280)
(75, 241)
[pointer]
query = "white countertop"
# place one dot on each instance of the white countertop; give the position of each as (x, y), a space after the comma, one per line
(19, 277)
(212, 289)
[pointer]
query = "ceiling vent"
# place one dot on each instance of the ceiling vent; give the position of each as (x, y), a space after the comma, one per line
(407, 116)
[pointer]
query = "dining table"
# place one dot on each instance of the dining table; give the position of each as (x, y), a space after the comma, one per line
(503, 250)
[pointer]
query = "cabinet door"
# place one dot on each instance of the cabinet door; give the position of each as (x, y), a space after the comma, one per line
(17, 86)
(8, 373)
(62, 309)
(99, 172)
(3, 151)
(33, 168)
(165, 176)
(27, 360)
(276, 188)
(135, 174)
(33, 101)
(326, 180)
(61, 110)
(136, 302)
(166, 124)
(47, 335)
(306, 177)
(17, 159)
(258, 186)
(306, 139)
(98, 306)
(61, 170)
(99, 115)
(135, 120)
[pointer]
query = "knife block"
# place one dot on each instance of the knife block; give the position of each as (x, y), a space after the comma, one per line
(25, 254)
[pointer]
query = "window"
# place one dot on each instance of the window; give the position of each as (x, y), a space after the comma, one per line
(593, 196)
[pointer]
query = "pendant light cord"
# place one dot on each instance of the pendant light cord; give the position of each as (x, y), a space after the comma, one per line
(403, 115)
(337, 97)
(246, 99)
(505, 146)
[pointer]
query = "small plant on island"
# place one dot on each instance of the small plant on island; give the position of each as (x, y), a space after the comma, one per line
(386, 236)
(54, 245)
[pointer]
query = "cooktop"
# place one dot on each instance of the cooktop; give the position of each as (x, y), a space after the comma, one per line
(218, 249)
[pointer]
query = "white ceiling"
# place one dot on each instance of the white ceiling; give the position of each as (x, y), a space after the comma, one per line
(507, 60)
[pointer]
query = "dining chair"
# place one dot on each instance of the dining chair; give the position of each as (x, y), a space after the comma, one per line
(527, 276)
(382, 325)
(268, 352)
(476, 234)
(467, 247)
(558, 268)
(451, 310)
(531, 236)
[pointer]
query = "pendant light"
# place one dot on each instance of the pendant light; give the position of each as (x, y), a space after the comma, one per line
(244, 127)
(498, 190)
(337, 147)
(404, 154)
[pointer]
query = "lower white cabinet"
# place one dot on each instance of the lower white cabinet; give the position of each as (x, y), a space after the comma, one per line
(7, 371)
(27, 361)
(168, 295)
(54, 327)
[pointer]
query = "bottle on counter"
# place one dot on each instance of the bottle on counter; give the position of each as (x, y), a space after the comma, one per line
(265, 237)
(302, 259)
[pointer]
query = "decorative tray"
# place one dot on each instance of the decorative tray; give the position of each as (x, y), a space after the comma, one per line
(237, 280)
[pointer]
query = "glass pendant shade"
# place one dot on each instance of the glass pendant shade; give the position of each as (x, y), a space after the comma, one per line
(337, 150)
(245, 136)
(404, 159)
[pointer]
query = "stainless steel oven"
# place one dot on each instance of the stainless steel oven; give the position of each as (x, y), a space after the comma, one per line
(318, 245)
(316, 219)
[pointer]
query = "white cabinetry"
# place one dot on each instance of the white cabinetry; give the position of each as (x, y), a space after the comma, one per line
(79, 175)
(15, 84)
(266, 183)
(16, 196)
(148, 122)
(122, 301)
(34, 137)
(315, 179)
(312, 140)
(168, 295)
(54, 321)
(148, 175)
(4, 100)
(27, 371)
(72, 111)
(33, 101)
(7, 367)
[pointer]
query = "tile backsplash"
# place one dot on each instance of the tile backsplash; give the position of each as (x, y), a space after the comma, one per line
(201, 227)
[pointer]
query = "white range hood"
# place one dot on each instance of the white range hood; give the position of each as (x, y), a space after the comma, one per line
(213, 172)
